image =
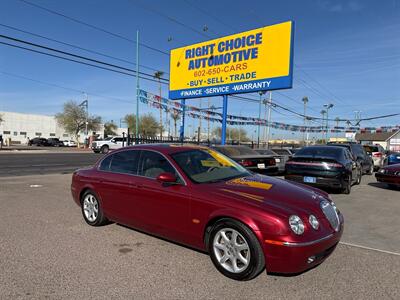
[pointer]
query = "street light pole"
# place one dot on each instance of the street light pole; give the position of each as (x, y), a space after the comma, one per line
(323, 112)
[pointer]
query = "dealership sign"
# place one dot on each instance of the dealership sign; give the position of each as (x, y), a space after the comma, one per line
(255, 60)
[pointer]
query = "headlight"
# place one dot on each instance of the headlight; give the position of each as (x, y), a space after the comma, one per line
(296, 224)
(382, 171)
(313, 222)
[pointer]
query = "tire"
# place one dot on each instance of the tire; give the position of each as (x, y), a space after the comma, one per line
(245, 246)
(347, 186)
(91, 209)
(371, 170)
(104, 149)
(359, 176)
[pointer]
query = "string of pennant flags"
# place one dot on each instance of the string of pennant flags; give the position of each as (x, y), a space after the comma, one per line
(176, 107)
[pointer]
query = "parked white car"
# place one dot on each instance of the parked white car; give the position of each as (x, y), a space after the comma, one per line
(378, 154)
(111, 143)
(68, 143)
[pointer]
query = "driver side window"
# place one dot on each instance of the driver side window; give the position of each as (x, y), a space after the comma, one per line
(153, 164)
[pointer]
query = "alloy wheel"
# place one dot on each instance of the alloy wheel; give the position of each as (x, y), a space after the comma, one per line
(90, 208)
(231, 250)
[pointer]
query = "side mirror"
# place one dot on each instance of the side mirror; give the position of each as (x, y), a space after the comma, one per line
(166, 178)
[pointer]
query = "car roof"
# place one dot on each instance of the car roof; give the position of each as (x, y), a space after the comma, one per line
(165, 148)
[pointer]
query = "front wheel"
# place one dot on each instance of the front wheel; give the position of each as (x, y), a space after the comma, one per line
(235, 250)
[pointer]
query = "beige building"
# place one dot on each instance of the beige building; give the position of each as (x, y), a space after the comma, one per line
(19, 128)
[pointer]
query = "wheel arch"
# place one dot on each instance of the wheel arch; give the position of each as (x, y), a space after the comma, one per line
(229, 215)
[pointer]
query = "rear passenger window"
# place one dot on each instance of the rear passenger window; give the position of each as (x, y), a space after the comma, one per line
(125, 162)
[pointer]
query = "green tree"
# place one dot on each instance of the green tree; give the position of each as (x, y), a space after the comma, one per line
(110, 129)
(175, 115)
(234, 134)
(148, 126)
(73, 119)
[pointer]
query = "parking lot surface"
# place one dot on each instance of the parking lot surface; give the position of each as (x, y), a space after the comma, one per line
(48, 251)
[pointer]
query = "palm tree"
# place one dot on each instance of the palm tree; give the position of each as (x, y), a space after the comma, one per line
(175, 116)
(157, 75)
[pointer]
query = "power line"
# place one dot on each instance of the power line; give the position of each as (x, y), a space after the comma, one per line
(62, 87)
(93, 27)
(170, 19)
(76, 47)
(73, 55)
(76, 61)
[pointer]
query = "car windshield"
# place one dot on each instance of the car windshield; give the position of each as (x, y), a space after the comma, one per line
(281, 151)
(206, 166)
(323, 152)
(265, 152)
(236, 150)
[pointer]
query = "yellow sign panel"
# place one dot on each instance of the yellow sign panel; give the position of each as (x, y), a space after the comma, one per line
(259, 59)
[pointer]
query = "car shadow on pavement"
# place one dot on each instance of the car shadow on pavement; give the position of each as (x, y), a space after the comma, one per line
(382, 185)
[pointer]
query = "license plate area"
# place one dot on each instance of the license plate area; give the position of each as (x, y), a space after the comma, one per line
(261, 166)
(308, 179)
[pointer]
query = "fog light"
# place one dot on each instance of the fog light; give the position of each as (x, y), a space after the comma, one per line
(311, 259)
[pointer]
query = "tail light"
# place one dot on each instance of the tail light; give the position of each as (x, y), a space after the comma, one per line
(317, 164)
(246, 163)
(272, 162)
(377, 154)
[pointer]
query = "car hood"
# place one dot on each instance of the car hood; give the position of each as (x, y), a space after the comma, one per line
(272, 194)
(395, 167)
(261, 156)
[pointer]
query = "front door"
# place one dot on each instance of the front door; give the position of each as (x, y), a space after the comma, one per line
(165, 206)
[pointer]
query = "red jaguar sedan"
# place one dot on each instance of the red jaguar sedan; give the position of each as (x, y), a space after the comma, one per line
(196, 196)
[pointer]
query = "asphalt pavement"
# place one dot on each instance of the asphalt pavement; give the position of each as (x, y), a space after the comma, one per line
(44, 162)
(48, 252)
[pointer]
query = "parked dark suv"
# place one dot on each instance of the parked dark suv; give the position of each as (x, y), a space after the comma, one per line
(358, 151)
(55, 142)
(38, 142)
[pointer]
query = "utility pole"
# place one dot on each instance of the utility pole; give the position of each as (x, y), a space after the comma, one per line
(328, 107)
(337, 125)
(137, 86)
(305, 101)
(269, 117)
(259, 117)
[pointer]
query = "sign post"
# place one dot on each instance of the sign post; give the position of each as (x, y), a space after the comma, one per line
(182, 129)
(224, 117)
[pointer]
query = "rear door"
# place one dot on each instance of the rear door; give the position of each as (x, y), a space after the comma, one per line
(116, 186)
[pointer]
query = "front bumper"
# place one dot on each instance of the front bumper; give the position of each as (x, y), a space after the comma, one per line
(293, 258)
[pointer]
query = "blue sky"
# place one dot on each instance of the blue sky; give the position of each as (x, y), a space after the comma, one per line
(345, 52)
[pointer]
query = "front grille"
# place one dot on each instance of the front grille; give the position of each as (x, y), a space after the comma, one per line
(331, 214)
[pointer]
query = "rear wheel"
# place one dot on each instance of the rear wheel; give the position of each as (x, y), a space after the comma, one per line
(235, 250)
(371, 170)
(359, 176)
(347, 186)
(91, 209)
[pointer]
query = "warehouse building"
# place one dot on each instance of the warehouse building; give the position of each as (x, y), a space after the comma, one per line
(18, 128)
